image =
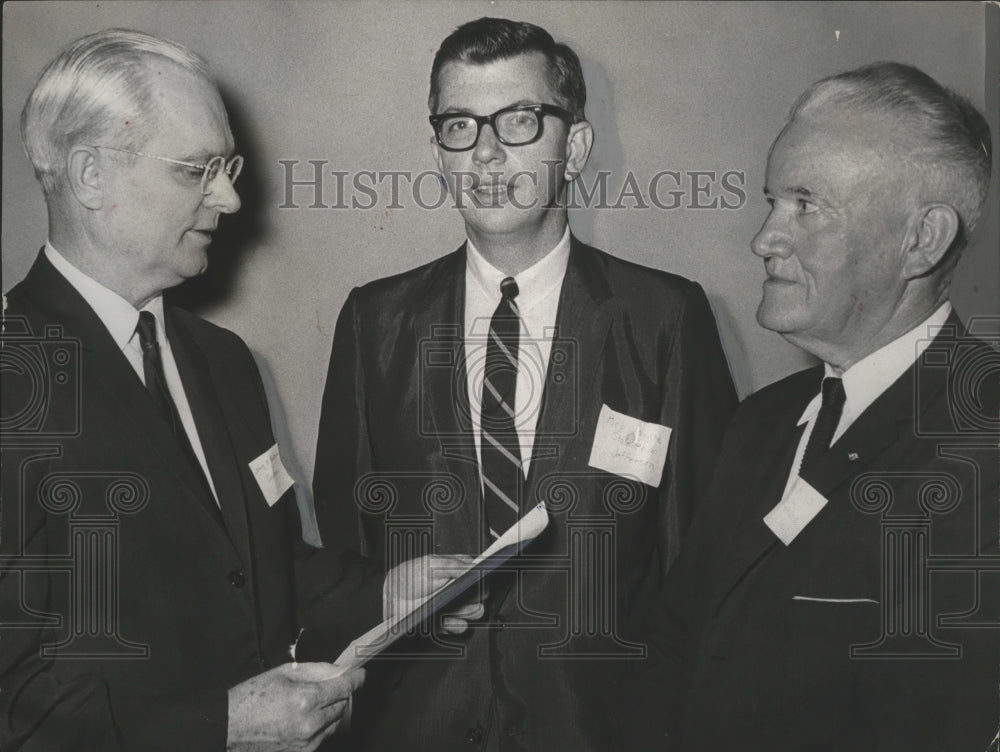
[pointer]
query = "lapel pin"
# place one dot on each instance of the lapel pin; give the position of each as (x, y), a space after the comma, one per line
(852, 456)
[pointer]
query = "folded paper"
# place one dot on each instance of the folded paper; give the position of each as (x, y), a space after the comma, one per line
(379, 638)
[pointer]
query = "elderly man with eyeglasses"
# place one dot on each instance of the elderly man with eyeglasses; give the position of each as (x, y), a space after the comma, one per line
(526, 366)
(152, 573)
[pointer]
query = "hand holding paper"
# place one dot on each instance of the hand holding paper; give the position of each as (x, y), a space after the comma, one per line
(292, 707)
(412, 582)
(409, 610)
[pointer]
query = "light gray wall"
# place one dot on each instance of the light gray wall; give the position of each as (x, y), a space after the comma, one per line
(673, 86)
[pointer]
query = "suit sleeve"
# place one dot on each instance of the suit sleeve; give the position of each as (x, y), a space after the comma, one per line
(655, 694)
(698, 406)
(342, 446)
(338, 592)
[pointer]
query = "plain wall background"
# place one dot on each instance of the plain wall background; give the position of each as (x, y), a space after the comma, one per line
(672, 86)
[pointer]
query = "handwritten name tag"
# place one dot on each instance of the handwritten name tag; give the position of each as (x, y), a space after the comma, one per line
(795, 511)
(271, 475)
(629, 447)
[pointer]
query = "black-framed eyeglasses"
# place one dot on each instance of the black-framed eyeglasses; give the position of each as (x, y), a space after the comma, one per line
(519, 125)
(209, 170)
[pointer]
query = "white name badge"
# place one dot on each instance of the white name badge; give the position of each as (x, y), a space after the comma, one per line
(271, 475)
(629, 447)
(795, 511)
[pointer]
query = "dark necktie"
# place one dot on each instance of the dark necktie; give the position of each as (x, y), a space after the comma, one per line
(156, 385)
(152, 370)
(501, 452)
(826, 424)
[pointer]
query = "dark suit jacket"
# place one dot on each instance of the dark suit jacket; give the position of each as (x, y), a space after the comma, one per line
(756, 638)
(128, 607)
(395, 435)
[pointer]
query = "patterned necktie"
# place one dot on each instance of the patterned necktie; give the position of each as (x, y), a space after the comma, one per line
(826, 424)
(501, 452)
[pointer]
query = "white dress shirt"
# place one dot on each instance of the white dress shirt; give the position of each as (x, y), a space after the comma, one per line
(866, 380)
(538, 302)
(121, 318)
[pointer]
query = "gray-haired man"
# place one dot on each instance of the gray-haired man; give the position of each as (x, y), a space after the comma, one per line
(834, 593)
(152, 573)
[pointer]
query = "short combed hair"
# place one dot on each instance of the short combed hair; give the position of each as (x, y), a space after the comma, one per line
(487, 40)
(942, 133)
(97, 91)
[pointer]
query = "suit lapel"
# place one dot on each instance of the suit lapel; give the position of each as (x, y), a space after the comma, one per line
(582, 323)
(763, 479)
(882, 426)
(213, 433)
(441, 321)
(888, 419)
(107, 371)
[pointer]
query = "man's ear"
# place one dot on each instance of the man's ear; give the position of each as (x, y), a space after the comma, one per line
(579, 141)
(436, 153)
(83, 174)
(934, 229)
(442, 177)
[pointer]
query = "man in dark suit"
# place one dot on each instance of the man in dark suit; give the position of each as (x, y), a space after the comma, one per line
(839, 589)
(152, 576)
(524, 367)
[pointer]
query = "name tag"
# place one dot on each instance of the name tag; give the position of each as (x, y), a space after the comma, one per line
(629, 447)
(795, 511)
(271, 475)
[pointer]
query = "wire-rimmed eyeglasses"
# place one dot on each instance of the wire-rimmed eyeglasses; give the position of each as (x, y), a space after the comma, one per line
(209, 170)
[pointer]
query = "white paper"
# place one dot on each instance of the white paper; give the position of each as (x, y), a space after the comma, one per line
(380, 637)
(795, 511)
(271, 475)
(629, 447)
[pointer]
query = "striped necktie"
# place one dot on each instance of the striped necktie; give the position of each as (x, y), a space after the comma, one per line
(501, 452)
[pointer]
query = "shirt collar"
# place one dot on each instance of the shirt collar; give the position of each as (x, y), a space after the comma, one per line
(117, 314)
(867, 379)
(533, 284)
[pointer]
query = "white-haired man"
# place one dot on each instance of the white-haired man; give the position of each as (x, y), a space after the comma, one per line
(839, 590)
(152, 575)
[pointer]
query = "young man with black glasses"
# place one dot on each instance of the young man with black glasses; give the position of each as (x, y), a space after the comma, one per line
(524, 367)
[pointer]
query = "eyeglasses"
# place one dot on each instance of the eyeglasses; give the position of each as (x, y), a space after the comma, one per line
(519, 125)
(205, 172)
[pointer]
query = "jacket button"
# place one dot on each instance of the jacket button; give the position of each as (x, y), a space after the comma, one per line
(237, 579)
(264, 662)
(474, 735)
